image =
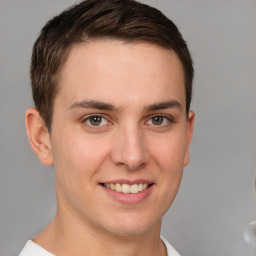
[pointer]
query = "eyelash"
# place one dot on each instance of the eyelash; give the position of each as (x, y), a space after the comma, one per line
(87, 118)
(167, 118)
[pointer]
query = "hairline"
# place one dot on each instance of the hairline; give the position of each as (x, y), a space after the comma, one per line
(91, 39)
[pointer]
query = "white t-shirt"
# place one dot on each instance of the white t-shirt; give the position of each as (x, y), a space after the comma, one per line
(32, 249)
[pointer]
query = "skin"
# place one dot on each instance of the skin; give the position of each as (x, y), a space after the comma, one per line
(134, 85)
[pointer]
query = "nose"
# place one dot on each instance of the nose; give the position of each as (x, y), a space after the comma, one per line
(129, 148)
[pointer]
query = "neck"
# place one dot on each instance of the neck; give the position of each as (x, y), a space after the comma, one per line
(71, 237)
(72, 234)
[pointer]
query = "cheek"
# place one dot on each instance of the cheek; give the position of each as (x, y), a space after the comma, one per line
(169, 157)
(77, 159)
(169, 152)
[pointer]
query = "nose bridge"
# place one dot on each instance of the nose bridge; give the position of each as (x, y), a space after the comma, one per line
(130, 147)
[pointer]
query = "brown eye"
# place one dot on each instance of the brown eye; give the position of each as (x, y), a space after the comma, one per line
(157, 120)
(95, 120)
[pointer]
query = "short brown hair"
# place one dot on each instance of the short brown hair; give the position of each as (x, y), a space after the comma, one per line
(126, 20)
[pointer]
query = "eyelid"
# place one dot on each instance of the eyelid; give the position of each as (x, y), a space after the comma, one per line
(162, 115)
(169, 118)
(87, 117)
(91, 115)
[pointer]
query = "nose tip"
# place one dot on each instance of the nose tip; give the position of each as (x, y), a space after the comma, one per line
(134, 163)
(131, 160)
(130, 151)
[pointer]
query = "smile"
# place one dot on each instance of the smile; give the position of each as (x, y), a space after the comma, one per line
(126, 188)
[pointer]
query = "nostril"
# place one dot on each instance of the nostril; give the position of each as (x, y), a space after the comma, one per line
(130, 150)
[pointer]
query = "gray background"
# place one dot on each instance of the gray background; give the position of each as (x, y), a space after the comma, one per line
(216, 199)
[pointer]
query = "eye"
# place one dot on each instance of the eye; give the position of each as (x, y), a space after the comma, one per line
(159, 120)
(95, 120)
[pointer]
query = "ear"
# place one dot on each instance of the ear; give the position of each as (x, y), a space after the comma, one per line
(38, 136)
(190, 126)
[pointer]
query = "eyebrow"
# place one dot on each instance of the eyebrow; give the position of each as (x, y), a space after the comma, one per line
(163, 105)
(92, 104)
(106, 106)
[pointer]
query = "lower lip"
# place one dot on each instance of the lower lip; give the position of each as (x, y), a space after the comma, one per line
(129, 198)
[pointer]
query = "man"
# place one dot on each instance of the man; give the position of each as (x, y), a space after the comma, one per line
(112, 84)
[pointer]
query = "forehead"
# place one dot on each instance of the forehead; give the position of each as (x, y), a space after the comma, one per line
(108, 69)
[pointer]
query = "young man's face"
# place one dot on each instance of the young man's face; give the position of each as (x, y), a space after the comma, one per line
(119, 120)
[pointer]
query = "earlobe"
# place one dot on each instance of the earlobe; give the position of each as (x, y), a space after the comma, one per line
(191, 118)
(38, 136)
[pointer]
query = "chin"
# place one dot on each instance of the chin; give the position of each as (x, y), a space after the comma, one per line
(127, 227)
(129, 231)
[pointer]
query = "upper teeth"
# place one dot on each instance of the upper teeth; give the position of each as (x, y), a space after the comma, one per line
(126, 188)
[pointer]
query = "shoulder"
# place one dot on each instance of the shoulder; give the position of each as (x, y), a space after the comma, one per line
(32, 249)
(170, 250)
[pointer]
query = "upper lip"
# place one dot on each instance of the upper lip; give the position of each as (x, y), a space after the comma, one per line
(125, 181)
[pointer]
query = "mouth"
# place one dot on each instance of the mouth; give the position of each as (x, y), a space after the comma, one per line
(126, 188)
